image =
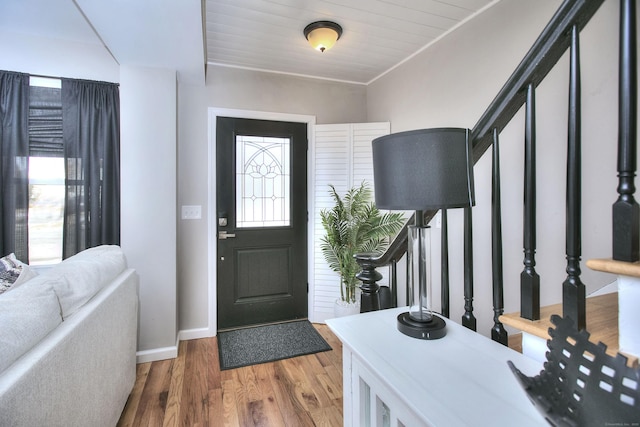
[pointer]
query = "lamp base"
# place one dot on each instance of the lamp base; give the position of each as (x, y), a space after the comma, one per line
(431, 330)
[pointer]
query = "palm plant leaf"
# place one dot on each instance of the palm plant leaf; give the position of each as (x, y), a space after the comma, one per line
(354, 225)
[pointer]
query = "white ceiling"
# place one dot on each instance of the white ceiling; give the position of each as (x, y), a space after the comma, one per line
(377, 34)
(255, 34)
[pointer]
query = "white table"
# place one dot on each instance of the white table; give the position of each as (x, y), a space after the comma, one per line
(463, 379)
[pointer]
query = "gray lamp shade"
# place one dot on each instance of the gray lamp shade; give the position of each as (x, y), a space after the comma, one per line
(423, 169)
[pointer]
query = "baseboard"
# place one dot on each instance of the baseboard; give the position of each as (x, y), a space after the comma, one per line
(194, 334)
(155, 354)
(163, 353)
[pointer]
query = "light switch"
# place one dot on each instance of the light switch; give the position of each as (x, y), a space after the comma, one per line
(191, 212)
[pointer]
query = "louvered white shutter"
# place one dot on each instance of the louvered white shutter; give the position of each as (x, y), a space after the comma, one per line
(342, 157)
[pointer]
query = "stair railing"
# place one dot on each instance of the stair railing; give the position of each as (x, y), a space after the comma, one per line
(560, 34)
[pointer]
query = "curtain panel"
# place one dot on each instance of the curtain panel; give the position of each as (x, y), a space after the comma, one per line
(14, 177)
(91, 134)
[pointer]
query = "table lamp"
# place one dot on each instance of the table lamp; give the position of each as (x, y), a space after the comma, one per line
(422, 170)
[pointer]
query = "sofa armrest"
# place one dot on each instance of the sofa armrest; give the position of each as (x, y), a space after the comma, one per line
(83, 371)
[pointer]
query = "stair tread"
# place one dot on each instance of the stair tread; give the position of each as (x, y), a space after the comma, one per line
(602, 322)
(608, 265)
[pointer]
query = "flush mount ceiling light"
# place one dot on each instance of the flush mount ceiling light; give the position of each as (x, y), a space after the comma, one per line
(322, 35)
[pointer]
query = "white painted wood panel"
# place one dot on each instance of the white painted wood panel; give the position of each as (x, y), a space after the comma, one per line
(460, 380)
(377, 34)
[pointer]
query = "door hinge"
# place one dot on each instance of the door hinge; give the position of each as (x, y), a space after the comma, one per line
(307, 287)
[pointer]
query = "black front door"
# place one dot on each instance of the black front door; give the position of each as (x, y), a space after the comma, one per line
(261, 175)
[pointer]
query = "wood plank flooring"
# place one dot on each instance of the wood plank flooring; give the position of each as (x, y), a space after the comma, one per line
(192, 391)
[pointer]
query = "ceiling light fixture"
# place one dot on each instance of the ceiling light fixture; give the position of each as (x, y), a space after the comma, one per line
(322, 35)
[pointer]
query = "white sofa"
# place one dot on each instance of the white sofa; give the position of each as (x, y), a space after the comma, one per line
(68, 343)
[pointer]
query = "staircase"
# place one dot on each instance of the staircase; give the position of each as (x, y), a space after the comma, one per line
(612, 318)
(599, 315)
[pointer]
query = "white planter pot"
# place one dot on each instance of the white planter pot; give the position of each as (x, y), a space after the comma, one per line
(341, 308)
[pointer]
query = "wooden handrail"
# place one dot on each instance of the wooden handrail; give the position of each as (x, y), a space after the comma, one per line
(552, 43)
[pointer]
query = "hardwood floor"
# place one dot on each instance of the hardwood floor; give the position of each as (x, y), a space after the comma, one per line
(192, 391)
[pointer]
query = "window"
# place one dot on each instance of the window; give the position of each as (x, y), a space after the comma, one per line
(83, 138)
(46, 209)
(46, 172)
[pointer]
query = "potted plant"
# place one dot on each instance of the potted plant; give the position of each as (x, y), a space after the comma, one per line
(354, 225)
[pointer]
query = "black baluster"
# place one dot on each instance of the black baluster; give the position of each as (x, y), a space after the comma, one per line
(573, 290)
(498, 333)
(529, 279)
(468, 319)
(444, 272)
(369, 276)
(625, 210)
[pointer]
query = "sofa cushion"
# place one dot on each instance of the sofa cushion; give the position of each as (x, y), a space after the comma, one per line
(27, 314)
(81, 276)
(13, 273)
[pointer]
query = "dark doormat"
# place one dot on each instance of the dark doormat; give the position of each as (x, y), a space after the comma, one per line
(261, 344)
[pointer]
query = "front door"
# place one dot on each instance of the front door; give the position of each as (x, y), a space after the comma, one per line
(261, 175)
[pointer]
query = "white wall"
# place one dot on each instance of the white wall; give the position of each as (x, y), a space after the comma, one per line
(148, 172)
(56, 58)
(329, 102)
(452, 83)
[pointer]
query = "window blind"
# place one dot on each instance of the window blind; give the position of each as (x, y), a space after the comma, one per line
(45, 122)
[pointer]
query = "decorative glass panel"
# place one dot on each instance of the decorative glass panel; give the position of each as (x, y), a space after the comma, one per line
(263, 181)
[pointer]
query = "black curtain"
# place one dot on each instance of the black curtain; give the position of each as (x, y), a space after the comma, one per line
(14, 177)
(91, 132)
